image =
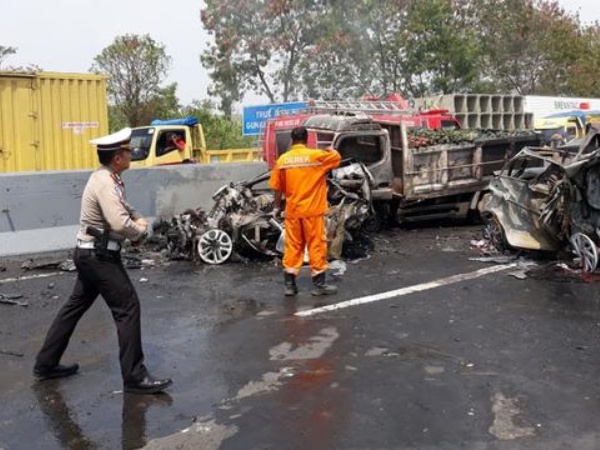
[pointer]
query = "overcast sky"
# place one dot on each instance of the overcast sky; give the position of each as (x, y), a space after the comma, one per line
(66, 35)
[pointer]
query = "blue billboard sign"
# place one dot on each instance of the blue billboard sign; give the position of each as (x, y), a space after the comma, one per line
(254, 118)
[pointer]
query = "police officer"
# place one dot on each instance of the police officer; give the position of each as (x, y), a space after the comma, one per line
(106, 220)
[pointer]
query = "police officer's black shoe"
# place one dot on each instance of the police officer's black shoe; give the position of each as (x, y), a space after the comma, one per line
(290, 284)
(59, 371)
(148, 385)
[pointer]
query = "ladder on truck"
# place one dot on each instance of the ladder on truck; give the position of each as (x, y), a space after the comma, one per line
(356, 106)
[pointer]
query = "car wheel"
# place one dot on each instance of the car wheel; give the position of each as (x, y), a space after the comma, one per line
(215, 247)
(494, 232)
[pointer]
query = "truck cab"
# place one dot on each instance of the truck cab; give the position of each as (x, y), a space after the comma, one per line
(387, 113)
(413, 174)
(563, 126)
(167, 142)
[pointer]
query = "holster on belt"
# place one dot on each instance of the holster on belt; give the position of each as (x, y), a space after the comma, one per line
(101, 244)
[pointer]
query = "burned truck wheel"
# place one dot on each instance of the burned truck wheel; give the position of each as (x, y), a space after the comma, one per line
(494, 233)
(586, 253)
(215, 247)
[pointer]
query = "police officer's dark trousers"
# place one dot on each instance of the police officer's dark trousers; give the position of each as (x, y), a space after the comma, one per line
(104, 275)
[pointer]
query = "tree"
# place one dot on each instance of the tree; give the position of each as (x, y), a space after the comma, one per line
(259, 45)
(227, 79)
(442, 50)
(357, 51)
(136, 66)
(5, 52)
(529, 45)
(583, 77)
(220, 132)
(326, 49)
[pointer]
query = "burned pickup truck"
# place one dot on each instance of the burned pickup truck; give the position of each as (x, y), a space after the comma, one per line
(548, 200)
(417, 173)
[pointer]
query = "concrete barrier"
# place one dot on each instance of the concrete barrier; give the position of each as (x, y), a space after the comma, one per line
(507, 103)
(473, 120)
(508, 121)
(496, 103)
(529, 121)
(497, 123)
(485, 121)
(39, 211)
(518, 104)
(472, 103)
(485, 104)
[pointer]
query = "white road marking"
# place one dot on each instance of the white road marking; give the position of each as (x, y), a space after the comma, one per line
(31, 277)
(407, 290)
(313, 349)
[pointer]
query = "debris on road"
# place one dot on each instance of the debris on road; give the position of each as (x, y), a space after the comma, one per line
(12, 300)
(11, 353)
(337, 268)
(65, 265)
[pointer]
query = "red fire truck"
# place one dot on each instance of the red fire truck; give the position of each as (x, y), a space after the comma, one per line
(387, 113)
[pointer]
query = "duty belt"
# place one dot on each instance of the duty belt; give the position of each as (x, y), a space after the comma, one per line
(112, 245)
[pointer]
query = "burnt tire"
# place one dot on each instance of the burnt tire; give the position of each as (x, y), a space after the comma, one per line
(494, 232)
(373, 224)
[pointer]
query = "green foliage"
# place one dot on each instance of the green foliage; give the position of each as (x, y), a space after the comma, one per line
(220, 132)
(421, 137)
(6, 51)
(325, 49)
(529, 45)
(583, 78)
(136, 66)
(442, 50)
(259, 46)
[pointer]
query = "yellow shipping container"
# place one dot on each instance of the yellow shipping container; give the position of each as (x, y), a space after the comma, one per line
(48, 118)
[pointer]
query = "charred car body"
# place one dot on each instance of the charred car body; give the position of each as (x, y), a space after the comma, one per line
(548, 200)
(241, 220)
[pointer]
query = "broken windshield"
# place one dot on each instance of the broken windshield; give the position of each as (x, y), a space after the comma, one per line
(141, 142)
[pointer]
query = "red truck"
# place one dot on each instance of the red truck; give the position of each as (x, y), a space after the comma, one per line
(415, 174)
(388, 113)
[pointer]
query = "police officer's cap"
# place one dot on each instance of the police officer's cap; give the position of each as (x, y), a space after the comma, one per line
(114, 141)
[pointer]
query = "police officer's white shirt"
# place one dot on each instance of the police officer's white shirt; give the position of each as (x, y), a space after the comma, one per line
(104, 206)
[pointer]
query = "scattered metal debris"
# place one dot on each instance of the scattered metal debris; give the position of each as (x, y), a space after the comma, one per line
(65, 265)
(337, 268)
(11, 353)
(12, 299)
(499, 259)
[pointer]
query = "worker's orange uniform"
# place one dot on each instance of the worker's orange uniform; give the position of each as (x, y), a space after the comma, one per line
(300, 175)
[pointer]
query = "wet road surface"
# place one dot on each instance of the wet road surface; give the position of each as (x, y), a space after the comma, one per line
(492, 362)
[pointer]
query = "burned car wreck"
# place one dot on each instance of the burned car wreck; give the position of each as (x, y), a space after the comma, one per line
(548, 200)
(241, 221)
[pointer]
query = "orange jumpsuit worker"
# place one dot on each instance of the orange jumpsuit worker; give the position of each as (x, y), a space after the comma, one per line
(299, 175)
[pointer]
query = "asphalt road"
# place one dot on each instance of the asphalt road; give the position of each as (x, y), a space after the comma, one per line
(475, 360)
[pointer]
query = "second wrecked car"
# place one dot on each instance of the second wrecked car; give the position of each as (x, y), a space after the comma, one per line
(548, 200)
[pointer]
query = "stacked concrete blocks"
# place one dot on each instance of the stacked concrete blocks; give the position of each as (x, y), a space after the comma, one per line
(499, 112)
